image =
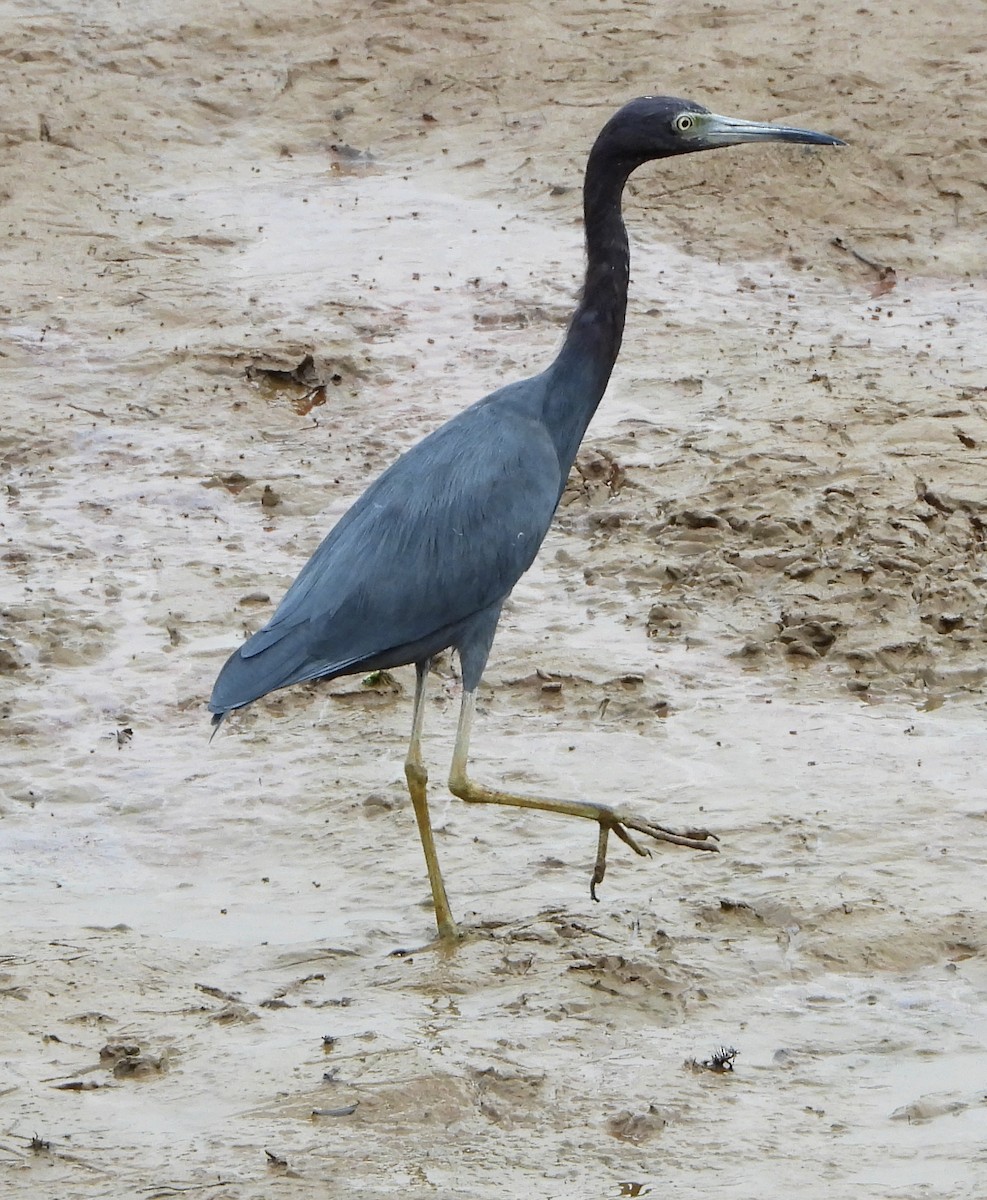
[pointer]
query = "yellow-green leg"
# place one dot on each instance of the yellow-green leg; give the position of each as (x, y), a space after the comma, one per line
(417, 777)
(608, 818)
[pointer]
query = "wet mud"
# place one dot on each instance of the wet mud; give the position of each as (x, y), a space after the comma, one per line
(250, 258)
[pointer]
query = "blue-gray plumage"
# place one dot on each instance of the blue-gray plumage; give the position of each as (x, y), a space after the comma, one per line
(425, 559)
(415, 566)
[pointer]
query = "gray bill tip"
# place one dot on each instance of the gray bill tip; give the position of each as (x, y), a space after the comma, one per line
(726, 131)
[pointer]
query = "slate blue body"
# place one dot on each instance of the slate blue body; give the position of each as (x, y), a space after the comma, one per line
(422, 561)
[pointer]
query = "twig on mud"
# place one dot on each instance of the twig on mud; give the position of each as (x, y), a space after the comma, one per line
(174, 1189)
(720, 1062)
(887, 277)
(218, 993)
(39, 1145)
(580, 927)
(881, 268)
(90, 412)
(345, 1111)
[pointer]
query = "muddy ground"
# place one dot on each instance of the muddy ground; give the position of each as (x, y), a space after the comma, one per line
(761, 608)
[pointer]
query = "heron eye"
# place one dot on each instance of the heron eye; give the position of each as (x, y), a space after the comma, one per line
(683, 123)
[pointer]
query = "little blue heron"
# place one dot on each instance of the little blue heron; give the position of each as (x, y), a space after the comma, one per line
(425, 559)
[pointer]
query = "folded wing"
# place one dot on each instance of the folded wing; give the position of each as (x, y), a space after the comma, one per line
(444, 533)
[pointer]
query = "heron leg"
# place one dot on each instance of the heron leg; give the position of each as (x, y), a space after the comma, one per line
(417, 777)
(609, 819)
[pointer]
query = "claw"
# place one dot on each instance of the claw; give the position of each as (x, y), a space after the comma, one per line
(701, 835)
(625, 837)
(600, 866)
(693, 839)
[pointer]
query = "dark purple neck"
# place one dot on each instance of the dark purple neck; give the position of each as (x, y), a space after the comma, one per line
(579, 376)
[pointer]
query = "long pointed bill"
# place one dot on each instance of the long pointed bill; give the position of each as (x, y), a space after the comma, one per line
(714, 130)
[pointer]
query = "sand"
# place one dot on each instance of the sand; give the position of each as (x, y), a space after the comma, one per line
(761, 608)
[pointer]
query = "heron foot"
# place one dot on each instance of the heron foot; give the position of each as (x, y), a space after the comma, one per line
(446, 944)
(607, 818)
(620, 823)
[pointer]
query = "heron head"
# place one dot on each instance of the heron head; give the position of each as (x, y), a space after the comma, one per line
(660, 126)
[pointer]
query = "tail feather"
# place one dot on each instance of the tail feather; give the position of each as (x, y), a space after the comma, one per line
(288, 660)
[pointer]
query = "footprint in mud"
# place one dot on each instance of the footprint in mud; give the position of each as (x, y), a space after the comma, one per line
(639, 1127)
(509, 1097)
(644, 984)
